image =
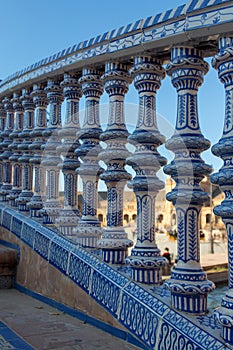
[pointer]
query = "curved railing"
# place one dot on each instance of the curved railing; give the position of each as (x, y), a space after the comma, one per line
(34, 150)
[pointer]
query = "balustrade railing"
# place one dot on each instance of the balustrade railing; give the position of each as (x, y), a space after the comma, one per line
(34, 151)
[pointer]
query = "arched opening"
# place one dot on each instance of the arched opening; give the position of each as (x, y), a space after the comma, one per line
(173, 219)
(208, 218)
(126, 218)
(100, 217)
(160, 218)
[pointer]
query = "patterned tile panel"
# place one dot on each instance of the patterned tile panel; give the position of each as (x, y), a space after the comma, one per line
(28, 234)
(164, 31)
(42, 244)
(210, 18)
(6, 220)
(16, 226)
(112, 274)
(146, 298)
(59, 253)
(171, 339)
(139, 319)
(79, 271)
(106, 292)
(188, 329)
(86, 257)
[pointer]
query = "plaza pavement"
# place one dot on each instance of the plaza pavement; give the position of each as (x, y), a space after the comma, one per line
(27, 324)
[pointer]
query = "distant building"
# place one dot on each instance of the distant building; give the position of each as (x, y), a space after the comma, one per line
(165, 211)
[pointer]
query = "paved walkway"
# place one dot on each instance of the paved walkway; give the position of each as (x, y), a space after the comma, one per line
(27, 324)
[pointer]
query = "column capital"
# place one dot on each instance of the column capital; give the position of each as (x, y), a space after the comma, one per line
(55, 98)
(187, 68)
(8, 104)
(16, 102)
(2, 110)
(7, 167)
(92, 88)
(147, 73)
(92, 85)
(54, 91)
(9, 123)
(2, 118)
(39, 95)
(116, 78)
(27, 101)
(71, 86)
(17, 167)
(222, 61)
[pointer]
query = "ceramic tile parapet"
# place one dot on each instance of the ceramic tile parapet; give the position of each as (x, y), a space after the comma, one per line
(183, 20)
(144, 310)
(28, 234)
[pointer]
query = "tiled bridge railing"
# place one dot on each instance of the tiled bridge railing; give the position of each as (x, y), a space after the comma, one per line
(137, 52)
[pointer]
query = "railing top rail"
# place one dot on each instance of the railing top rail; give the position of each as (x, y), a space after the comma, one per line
(198, 21)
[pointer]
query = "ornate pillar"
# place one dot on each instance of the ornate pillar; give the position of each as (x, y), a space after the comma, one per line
(114, 242)
(27, 170)
(89, 229)
(4, 157)
(69, 215)
(52, 205)
(145, 259)
(14, 158)
(188, 284)
(40, 101)
(223, 62)
(2, 127)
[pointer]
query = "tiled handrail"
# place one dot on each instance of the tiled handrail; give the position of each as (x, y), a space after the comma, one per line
(144, 311)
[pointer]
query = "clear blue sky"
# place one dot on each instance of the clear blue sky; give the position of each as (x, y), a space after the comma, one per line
(31, 30)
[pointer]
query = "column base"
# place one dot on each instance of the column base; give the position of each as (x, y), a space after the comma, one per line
(67, 221)
(227, 334)
(195, 304)
(12, 196)
(115, 256)
(224, 315)
(23, 199)
(48, 219)
(146, 264)
(35, 205)
(189, 289)
(147, 276)
(4, 192)
(51, 212)
(87, 233)
(114, 244)
(35, 213)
